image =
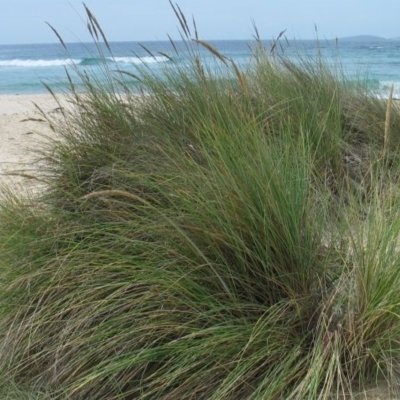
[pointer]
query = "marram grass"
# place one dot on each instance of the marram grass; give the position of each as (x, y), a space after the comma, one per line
(231, 234)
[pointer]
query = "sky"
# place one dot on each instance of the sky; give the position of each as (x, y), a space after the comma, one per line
(23, 21)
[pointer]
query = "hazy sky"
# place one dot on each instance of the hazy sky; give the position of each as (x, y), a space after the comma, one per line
(22, 21)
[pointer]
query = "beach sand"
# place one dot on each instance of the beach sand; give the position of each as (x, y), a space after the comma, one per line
(22, 129)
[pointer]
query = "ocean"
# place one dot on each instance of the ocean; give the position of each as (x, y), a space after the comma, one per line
(24, 68)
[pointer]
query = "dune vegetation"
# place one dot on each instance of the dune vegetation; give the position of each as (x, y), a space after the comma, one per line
(232, 233)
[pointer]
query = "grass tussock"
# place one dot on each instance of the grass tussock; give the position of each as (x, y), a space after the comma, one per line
(230, 234)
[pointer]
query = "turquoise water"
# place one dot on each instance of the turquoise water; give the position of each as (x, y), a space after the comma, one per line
(24, 68)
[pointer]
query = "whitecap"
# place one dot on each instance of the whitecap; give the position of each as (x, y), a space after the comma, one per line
(37, 63)
(140, 60)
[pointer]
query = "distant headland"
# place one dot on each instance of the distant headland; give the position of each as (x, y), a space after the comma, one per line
(366, 38)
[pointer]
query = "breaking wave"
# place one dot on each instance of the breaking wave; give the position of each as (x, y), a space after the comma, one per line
(37, 63)
(84, 61)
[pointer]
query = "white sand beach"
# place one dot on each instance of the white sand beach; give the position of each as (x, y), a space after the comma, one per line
(22, 129)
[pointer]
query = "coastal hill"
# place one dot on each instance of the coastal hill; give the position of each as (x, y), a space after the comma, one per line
(362, 38)
(367, 38)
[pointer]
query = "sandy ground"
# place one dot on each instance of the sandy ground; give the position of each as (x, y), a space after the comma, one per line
(22, 129)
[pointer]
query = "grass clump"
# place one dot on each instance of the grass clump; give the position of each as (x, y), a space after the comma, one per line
(230, 234)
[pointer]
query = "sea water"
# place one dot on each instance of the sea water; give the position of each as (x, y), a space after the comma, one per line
(25, 68)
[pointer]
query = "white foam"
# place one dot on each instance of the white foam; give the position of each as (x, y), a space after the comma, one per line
(69, 61)
(140, 60)
(384, 90)
(37, 63)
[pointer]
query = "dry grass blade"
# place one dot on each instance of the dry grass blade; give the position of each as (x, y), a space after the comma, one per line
(275, 42)
(162, 53)
(241, 78)
(196, 34)
(58, 35)
(95, 25)
(212, 50)
(89, 27)
(173, 45)
(51, 91)
(90, 24)
(389, 108)
(71, 85)
(147, 50)
(32, 119)
(26, 176)
(182, 15)
(70, 81)
(199, 67)
(256, 35)
(112, 193)
(130, 74)
(182, 22)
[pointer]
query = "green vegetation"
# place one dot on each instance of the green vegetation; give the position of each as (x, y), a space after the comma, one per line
(230, 234)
